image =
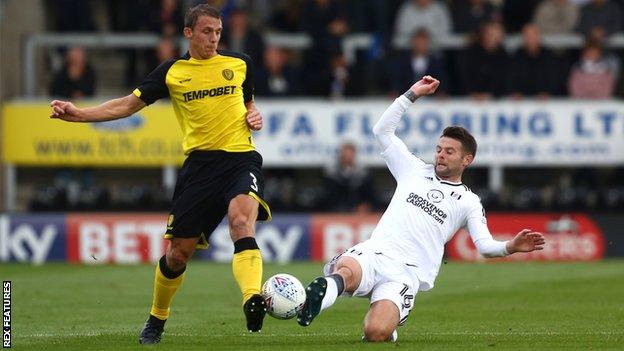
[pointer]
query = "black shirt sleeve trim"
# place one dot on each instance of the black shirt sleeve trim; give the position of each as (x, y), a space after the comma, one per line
(154, 86)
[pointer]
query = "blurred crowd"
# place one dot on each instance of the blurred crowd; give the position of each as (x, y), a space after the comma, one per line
(405, 44)
(344, 185)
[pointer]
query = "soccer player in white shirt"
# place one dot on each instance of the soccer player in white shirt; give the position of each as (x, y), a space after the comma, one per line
(405, 250)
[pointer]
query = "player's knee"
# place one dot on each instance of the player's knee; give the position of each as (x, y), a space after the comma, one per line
(177, 259)
(376, 333)
(239, 223)
(350, 271)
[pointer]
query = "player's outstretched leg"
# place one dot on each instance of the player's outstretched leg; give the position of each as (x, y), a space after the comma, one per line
(166, 283)
(168, 278)
(314, 298)
(320, 294)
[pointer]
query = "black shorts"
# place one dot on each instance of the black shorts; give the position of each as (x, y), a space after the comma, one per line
(207, 181)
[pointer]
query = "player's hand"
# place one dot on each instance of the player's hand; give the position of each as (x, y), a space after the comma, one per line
(254, 119)
(64, 110)
(426, 86)
(526, 241)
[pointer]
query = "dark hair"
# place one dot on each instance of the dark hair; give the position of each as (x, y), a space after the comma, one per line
(469, 144)
(200, 10)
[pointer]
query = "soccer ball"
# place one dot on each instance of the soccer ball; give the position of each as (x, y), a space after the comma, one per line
(284, 296)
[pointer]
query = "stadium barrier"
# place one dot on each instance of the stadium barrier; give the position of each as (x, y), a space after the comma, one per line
(307, 133)
(131, 238)
(293, 41)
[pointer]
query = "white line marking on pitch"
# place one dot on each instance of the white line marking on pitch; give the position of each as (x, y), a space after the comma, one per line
(466, 333)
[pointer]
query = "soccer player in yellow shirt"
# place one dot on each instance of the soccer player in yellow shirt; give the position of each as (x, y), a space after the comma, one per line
(212, 95)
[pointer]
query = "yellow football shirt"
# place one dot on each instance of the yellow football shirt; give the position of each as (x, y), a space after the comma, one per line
(208, 98)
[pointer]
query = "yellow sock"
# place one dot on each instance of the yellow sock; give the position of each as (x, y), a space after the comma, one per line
(164, 289)
(247, 268)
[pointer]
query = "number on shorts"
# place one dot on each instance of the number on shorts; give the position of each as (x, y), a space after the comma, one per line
(407, 298)
(254, 186)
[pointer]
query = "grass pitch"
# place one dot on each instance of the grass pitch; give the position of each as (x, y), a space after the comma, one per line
(501, 306)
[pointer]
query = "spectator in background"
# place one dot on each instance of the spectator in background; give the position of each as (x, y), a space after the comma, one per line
(360, 18)
(166, 50)
(593, 76)
(370, 63)
(325, 21)
(127, 16)
(76, 79)
(419, 62)
(71, 15)
(348, 186)
(556, 17)
(345, 81)
(429, 14)
(469, 15)
(166, 18)
(130, 16)
(533, 67)
(286, 17)
(239, 36)
(483, 66)
(276, 78)
(517, 13)
(598, 36)
(602, 14)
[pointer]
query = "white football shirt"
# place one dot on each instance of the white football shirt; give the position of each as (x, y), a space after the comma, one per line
(425, 211)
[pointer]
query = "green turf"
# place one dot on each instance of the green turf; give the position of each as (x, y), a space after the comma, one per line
(503, 306)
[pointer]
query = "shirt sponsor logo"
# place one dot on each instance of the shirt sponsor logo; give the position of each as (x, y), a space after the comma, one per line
(432, 210)
(201, 94)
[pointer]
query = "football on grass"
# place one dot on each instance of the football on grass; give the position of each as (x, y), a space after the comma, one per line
(284, 296)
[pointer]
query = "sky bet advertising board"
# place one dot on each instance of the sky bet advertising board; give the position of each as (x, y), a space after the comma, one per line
(137, 238)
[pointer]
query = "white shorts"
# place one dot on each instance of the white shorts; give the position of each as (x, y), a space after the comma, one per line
(383, 278)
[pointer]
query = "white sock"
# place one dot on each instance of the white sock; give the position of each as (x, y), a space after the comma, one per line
(330, 294)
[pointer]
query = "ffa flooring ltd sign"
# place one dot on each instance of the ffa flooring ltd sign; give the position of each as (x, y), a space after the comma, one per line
(308, 133)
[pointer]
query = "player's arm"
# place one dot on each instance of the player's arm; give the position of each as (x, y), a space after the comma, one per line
(110, 110)
(254, 118)
(525, 241)
(150, 90)
(396, 154)
(384, 129)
